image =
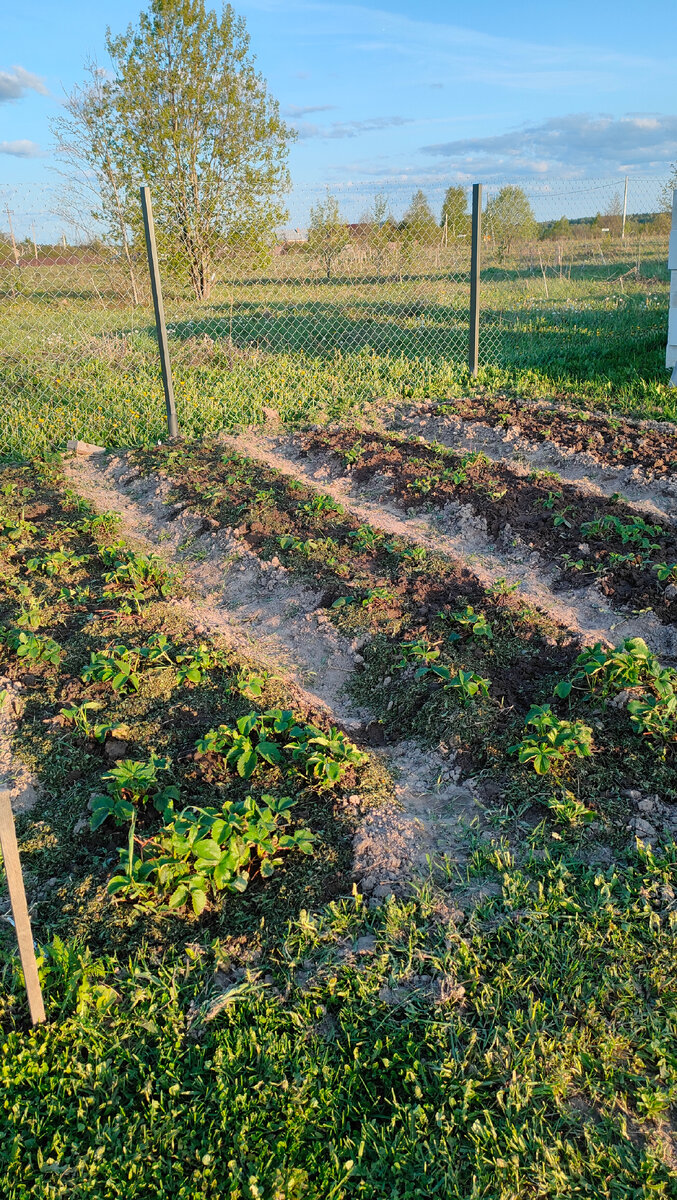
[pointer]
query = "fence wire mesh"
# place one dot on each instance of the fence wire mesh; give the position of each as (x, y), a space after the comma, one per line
(357, 296)
(577, 280)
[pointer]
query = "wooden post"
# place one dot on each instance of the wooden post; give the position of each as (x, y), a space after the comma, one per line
(151, 248)
(474, 338)
(17, 895)
(35, 244)
(11, 235)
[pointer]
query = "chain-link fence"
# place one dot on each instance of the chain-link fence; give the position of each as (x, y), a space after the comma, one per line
(358, 296)
(584, 290)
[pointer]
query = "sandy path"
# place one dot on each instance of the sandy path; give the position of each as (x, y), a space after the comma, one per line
(23, 787)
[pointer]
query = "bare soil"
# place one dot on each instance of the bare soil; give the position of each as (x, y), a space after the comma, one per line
(23, 787)
(264, 612)
(614, 441)
(650, 493)
(542, 514)
(459, 533)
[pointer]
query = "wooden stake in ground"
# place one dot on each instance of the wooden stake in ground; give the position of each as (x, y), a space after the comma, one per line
(17, 895)
(11, 235)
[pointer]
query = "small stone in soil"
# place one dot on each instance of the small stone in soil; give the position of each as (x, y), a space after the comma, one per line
(115, 748)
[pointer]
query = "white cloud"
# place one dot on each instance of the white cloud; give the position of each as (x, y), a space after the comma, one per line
(579, 144)
(22, 148)
(348, 129)
(17, 81)
(296, 110)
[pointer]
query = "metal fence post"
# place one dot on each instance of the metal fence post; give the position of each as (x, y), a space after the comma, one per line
(17, 896)
(474, 338)
(151, 247)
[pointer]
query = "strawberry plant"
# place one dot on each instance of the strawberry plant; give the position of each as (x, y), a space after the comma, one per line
(30, 614)
(251, 684)
(33, 647)
(56, 562)
(415, 554)
(553, 742)
(468, 684)
(548, 501)
(250, 743)
(501, 587)
(574, 564)
(560, 519)
(457, 475)
(265, 738)
(321, 504)
(666, 572)
(156, 651)
(132, 577)
(417, 652)
(423, 485)
(366, 538)
(204, 851)
(120, 668)
(75, 595)
(306, 548)
(324, 756)
(634, 531)
(131, 784)
(385, 594)
(14, 530)
(29, 618)
(613, 670)
(655, 716)
(194, 664)
(78, 714)
(474, 622)
(101, 526)
(493, 488)
(630, 666)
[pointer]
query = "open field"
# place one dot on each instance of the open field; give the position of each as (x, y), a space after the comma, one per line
(429, 956)
(342, 736)
(77, 360)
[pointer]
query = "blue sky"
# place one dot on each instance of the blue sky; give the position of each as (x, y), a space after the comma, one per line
(402, 93)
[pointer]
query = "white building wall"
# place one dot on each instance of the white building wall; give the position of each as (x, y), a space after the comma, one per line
(671, 352)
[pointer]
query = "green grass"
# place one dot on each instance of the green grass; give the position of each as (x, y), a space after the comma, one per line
(75, 361)
(529, 1051)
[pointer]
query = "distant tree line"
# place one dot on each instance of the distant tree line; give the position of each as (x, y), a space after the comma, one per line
(507, 220)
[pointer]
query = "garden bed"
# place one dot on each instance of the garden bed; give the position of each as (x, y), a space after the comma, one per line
(632, 558)
(303, 1004)
(428, 666)
(118, 694)
(613, 441)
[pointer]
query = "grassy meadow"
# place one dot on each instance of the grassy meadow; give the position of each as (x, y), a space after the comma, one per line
(76, 360)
